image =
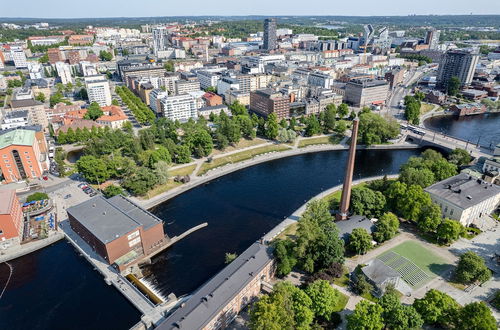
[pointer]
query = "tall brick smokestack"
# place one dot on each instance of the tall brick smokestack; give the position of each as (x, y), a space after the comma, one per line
(346, 189)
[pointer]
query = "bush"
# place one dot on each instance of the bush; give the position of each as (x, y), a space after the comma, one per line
(38, 196)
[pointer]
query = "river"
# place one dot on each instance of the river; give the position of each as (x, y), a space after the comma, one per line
(55, 288)
(484, 128)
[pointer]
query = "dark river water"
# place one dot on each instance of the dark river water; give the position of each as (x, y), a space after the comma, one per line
(56, 289)
(484, 128)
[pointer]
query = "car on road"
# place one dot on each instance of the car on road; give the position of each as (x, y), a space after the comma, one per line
(80, 185)
(67, 196)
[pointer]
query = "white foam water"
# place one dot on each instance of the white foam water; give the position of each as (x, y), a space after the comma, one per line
(152, 288)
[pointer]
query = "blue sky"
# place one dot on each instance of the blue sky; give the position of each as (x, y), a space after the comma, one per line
(135, 8)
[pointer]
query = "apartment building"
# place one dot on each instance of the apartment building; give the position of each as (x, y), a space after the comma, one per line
(457, 63)
(267, 101)
(64, 72)
(179, 107)
(98, 90)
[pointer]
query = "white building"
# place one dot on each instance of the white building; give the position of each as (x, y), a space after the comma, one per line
(185, 86)
(160, 39)
(64, 72)
(207, 78)
(320, 79)
(465, 198)
(14, 119)
(179, 107)
(18, 57)
(227, 83)
(155, 98)
(98, 90)
(35, 70)
(88, 69)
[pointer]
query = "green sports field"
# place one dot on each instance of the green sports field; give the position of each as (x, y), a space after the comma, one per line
(416, 263)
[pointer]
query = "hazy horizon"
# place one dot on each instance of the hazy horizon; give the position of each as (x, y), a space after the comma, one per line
(60, 9)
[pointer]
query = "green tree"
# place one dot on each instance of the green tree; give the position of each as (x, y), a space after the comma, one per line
(367, 202)
(360, 241)
(112, 190)
(422, 177)
(412, 108)
(341, 127)
(268, 313)
(161, 171)
(397, 316)
(229, 257)
(366, 316)
(313, 126)
(438, 308)
(93, 112)
(460, 157)
(169, 66)
(115, 102)
(44, 59)
(375, 129)
(343, 110)
(329, 119)
(472, 268)
(284, 255)
(271, 126)
(93, 169)
(386, 227)
(430, 218)
(182, 154)
(286, 135)
(200, 143)
(141, 181)
(38, 196)
(453, 86)
(476, 316)
(449, 231)
(105, 56)
(410, 206)
(40, 97)
(324, 298)
(299, 302)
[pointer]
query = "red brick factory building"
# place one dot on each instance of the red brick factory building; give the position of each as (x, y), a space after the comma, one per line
(121, 232)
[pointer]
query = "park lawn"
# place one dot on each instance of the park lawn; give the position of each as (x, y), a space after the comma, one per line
(424, 258)
(425, 107)
(331, 139)
(239, 157)
(343, 281)
(185, 170)
(289, 232)
(162, 188)
(341, 303)
(244, 143)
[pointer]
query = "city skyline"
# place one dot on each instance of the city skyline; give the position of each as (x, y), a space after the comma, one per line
(46, 9)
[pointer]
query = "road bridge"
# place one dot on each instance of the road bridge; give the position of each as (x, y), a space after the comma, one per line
(432, 138)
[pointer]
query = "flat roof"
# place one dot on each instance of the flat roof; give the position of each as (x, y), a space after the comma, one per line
(7, 198)
(109, 219)
(22, 137)
(464, 190)
(208, 300)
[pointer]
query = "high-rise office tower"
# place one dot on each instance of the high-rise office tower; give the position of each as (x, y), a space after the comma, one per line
(432, 38)
(457, 63)
(270, 34)
(160, 39)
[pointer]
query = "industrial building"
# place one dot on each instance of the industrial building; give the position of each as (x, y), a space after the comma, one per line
(218, 302)
(119, 231)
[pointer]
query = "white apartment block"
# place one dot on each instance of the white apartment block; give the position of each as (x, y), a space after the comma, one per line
(155, 98)
(207, 79)
(88, 69)
(35, 70)
(18, 57)
(180, 107)
(186, 86)
(64, 72)
(98, 90)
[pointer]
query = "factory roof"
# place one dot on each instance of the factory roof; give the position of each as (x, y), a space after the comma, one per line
(214, 295)
(109, 219)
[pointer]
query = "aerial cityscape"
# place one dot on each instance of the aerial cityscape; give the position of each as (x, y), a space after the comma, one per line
(287, 166)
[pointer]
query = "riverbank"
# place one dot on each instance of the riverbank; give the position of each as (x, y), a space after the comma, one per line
(17, 251)
(295, 216)
(229, 168)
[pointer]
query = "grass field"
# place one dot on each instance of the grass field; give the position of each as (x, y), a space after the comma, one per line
(332, 139)
(422, 257)
(289, 232)
(342, 302)
(425, 107)
(186, 170)
(244, 143)
(239, 157)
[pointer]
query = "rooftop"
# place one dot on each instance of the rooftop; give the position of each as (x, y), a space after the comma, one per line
(109, 219)
(463, 190)
(20, 137)
(7, 198)
(379, 272)
(205, 303)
